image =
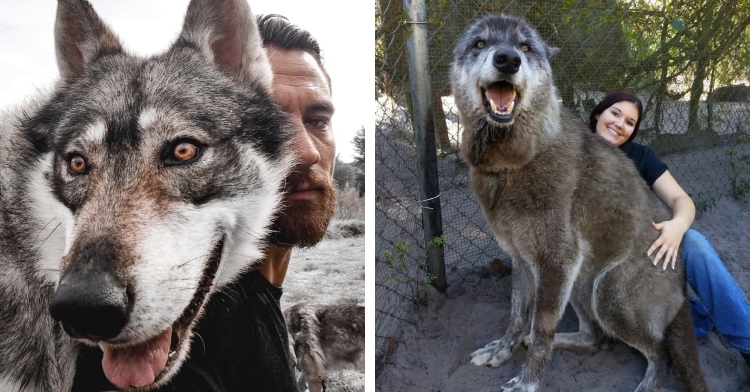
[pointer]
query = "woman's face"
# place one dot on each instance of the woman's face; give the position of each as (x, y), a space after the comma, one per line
(617, 122)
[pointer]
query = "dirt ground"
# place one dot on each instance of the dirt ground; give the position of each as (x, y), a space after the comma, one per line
(331, 272)
(434, 355)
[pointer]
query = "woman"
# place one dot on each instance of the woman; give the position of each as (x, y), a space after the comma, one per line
(721, 302)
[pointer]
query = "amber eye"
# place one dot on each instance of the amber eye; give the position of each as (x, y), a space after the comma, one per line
(77, 164)
(525, 48)
(185, 152)
(182, 151)
(479, 44)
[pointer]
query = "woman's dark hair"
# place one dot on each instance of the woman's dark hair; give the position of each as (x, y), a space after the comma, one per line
(611, 99)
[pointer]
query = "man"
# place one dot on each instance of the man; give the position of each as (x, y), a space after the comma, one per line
(241, 341)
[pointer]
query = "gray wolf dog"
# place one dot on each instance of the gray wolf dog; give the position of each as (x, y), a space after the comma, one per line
(132, 192)
(325, 338)
(569, 209)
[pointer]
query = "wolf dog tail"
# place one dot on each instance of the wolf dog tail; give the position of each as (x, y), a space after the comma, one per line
(683, 351)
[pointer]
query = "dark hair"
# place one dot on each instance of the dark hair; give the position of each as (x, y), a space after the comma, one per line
(611, 99)
(276, 30)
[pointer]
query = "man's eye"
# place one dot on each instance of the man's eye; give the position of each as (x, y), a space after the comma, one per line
(317, 123)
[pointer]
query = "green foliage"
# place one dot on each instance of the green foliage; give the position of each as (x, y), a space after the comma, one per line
(397, 270)
(678, 25)
(740, 177)
(436, 241)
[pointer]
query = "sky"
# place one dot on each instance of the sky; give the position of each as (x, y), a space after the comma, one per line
(27, 53)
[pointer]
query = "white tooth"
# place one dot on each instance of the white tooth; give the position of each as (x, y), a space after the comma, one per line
(512, 104)
(492, 106)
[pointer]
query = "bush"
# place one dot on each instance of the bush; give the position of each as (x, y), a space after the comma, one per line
(349, 205)
(345, 228)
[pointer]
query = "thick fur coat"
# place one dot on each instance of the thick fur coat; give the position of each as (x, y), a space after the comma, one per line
(571, 211)
(133, 191)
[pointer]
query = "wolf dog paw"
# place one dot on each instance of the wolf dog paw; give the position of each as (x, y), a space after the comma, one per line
(493, 354)
(515, 385)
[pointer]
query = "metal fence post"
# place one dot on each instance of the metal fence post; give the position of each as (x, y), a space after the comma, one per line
(424, 132)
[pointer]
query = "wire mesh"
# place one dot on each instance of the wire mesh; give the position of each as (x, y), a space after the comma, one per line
(688, 62)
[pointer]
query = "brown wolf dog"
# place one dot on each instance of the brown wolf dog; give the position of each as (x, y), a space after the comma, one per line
(569, 209)
(325, 338)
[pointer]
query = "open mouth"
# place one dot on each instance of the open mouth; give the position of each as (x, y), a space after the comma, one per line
(144, 363)
(500, 99)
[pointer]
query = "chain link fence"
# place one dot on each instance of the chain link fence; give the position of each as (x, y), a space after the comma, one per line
(688, 62)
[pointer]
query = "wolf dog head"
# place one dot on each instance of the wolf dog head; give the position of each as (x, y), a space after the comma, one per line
(166, 173)
(502, 81)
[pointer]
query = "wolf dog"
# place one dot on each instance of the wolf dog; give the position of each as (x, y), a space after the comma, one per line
(131, 192)
(325, 338)
(570, 210)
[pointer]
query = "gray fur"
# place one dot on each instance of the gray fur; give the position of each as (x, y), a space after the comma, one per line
(325, 338)
(134, 209)
(573, 214)
(35, 353)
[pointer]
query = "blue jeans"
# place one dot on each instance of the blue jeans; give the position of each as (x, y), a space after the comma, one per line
(721, 302)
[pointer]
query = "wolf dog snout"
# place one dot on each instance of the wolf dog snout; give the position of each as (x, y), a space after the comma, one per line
(507, 61)
(91, 301)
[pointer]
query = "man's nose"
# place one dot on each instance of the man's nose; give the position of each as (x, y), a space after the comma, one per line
(304, 147)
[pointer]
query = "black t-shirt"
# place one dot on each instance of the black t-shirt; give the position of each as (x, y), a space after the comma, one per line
(240, 344)
(649, 165)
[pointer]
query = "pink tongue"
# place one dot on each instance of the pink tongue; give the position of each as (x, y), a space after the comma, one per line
(500, 94)
(137, 366)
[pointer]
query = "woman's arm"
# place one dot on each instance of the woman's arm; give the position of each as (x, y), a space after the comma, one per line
(683, 214)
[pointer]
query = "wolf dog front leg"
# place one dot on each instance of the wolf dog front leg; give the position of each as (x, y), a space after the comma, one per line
(555, 271)
(497, 352)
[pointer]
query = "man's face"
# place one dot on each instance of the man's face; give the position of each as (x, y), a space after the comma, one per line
(302, 89)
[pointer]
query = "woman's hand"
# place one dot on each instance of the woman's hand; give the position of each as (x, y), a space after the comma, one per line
(683, 213)
(668, 242)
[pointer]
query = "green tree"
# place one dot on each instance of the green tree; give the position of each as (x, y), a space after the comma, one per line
(679, 46)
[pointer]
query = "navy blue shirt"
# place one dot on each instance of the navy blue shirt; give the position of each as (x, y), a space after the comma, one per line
(649, 165)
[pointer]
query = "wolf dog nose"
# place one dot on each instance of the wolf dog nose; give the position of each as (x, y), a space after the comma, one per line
(91, 301)
(506, 61)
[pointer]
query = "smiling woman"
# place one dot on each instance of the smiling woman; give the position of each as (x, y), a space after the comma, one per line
(617, 117)
(720, 302)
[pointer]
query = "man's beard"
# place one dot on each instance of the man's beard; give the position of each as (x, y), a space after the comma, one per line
(304, 223)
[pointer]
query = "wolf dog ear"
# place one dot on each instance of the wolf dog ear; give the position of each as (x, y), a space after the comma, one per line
(80, 37)
(551, 51)
(226, 32)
